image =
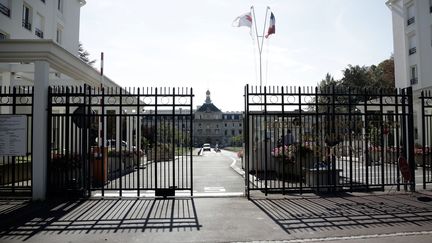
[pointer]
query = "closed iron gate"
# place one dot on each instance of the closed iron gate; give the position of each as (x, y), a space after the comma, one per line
(115, 141)
(301, 139)
(423, 154)
(16, 170)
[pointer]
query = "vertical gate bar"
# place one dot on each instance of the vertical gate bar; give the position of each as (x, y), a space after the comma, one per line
(317, 131)
(411, 157)
(30, 171)
(366, 148)
(88, 147)
(155, 140)
(246, 139)
(190, 139)
(396, 97)
(404, 132)
(283, 138)
(102, 135)
(120, 130)
(66, 129)
(265, 139)
(173, 138)
(300, 139)
(336, 137)
(350, 138)
(138, 141)
(14, 95)
(48, 138)
(422, 98)
(382, 139)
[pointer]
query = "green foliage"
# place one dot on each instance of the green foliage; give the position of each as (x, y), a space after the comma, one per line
(84, 55)
(237, 140)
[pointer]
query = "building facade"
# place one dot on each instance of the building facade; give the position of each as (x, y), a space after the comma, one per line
(213, 126)
(412, 41)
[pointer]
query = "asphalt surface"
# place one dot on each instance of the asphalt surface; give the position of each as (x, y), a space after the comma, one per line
(359, 217)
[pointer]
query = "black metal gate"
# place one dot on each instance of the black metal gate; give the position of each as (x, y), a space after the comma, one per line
(423, 154)
(119, 142)
(16, 171)
(330, 139)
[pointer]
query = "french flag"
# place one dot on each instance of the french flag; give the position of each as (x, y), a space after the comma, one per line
(272, 26)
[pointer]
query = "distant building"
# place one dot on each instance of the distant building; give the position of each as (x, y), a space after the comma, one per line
(213, 126)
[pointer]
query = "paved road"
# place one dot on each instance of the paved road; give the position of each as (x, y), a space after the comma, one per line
(213, 173)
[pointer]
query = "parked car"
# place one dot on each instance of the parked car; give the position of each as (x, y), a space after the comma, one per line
(206, 147)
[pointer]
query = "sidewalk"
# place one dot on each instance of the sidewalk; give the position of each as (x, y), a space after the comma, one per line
(376, 217)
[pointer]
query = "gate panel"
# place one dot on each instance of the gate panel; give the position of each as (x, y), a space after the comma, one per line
(16, 171)
(424, 153)
(328, 139)
(123, 140)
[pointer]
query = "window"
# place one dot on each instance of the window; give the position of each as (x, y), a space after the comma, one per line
(240, 124)
(3, 36)
(26, 17)
(233, 132)
(226, 132)
(59, 35)
(60, 5)
(240, 132)
(430, 6)
(410, 15)
(226, 125)
(412, 45)
(39, 25)
(4, 7)
(413, 75)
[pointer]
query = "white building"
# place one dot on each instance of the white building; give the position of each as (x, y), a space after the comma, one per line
(412, 40)
(42, 21)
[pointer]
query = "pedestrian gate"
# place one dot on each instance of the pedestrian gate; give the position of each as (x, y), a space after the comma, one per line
(120, 141)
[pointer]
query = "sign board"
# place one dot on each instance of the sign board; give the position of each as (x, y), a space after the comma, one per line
(13, 135)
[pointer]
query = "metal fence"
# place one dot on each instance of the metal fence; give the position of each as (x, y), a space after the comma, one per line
(16, 170)
(301, 139)
(120, 141)
(423, 153)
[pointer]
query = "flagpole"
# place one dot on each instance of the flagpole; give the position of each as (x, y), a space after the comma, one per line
(262, 39)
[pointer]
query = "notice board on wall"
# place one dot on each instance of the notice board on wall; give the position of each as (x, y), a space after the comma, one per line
(13, 135)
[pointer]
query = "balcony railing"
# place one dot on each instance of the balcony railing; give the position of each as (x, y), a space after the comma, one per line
(411, 20)
(4, 10)
(39, 33)
(3, 36)
(26, 24)
(414, 81)
(412, 50)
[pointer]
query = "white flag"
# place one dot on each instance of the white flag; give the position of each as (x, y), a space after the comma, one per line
(243, 20)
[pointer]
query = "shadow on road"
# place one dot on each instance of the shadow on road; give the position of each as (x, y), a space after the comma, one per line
(299, 215)
(24, 219)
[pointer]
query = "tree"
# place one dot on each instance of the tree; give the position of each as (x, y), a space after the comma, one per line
(84, 55)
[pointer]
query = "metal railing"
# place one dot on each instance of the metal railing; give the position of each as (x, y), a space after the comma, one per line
(39, 33)
(412, 50)
(411, 21)
(4, 10)
(26, 24)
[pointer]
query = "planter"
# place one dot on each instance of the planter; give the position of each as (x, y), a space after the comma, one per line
(293, 169)
(322, 180)
(419, 160)
(99, 164)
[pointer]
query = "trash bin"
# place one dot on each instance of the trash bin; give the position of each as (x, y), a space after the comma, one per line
(99, 159)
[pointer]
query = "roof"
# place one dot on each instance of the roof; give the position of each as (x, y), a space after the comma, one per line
(208, 107)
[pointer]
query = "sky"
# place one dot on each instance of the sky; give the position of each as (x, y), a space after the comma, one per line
(192, 43)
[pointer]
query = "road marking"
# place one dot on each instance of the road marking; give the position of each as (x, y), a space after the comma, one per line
(214, 189)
